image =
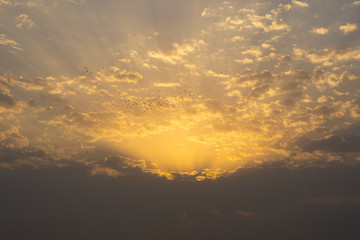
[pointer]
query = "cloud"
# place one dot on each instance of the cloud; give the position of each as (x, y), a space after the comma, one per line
(327, 56)
(320, 30)
(248, 214)
(27, 3)
(6, 100)
(120, 76)
(340, 144)
(353, 200)
(36, 83)
(261, 77)
(237, 39)
(299, 3)
(166, 84)
(6, 2)
(178, 52)
(101, 170)
(23, 21)
(244, 60)
(258, 92)
(277, 24)
(12, 138)
(269, 23)
(128, 77)
(205, 13)
(77, 2)
(349, 27)
(9, 42)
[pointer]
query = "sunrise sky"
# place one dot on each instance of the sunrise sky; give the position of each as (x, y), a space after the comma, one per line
(200, 93)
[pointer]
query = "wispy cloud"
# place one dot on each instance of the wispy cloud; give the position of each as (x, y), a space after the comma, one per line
(4, 40)
(300, 3)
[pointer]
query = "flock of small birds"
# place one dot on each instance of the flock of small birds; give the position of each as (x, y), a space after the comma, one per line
(162, 99)
(158, 102)
(146, 104)
(86, 72)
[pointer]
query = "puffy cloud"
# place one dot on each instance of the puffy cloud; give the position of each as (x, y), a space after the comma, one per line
(320, 30)
(120, 76)
(23, 21)
(244, 60)
(12, 138)
(269, 23)
(327, 56)
(349, 27)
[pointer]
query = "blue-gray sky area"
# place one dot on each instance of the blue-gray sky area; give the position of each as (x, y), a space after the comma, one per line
(157, 97)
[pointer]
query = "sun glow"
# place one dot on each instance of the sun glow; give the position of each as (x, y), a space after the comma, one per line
(173, 151)
(195, 143)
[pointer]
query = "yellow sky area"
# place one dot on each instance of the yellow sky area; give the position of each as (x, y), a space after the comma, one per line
(173, 151)
(193, 143)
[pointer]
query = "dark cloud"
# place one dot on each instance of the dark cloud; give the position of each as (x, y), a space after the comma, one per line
(339, 144)
(301, 75)
(288, 102)
(5, 80)
(263, 77)
(332, 200)
(353, 129)
(6, 100)
(260, 91)
(323, 110)
(290, 86)
(37, 81)
(68, 203)
(248, 214)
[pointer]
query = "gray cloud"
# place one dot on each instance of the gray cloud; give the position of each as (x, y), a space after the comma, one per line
(340, 144)
(260, 91)
(6, 100)
(332, 200)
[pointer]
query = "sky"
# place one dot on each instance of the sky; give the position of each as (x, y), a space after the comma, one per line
(179, 119)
